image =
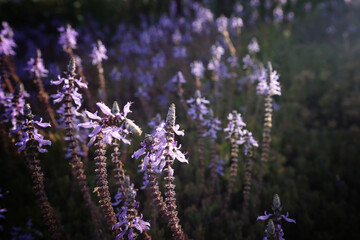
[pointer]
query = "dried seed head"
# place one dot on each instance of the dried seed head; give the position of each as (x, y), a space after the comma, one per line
(170, 118)
(132, 127)
(115, 108)
(72, 65)
(271, 228)
(276, 202)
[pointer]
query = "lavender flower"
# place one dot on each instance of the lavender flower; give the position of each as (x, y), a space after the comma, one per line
(179, 52)
(178, 78)
(236, 22)
(268, 82)
(197, 69)
(129, 221)
(67, 37)
(36, 67)
(198, 108)
(115, 75)
(248, 62)
(220, 167)
(7, 43)
(248, 141)
(114, 125)
(253, 46)
(70, 85)
(235, 125)
(274, 229)
(213, 125)
(37, 137)
(222, 23)
(158, 60)
(14, 106)
(98, 53)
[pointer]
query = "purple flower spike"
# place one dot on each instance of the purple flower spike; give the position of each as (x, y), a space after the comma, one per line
(98, 53)
(268, 82)
(198, 108)
(36, 67)
(274, 228)
(7, 43)
(67, 37)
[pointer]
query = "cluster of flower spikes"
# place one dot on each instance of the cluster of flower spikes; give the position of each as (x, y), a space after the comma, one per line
(128, 217)
(7, 43)
(14, 106)
(274, 230)
(98, 53)
(157, 150)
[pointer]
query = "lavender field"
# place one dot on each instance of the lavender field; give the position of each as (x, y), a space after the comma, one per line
(179, 119)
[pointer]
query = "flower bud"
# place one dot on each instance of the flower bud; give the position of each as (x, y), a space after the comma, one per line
(115, 108)
(72, 65)
(276, 202)
(270, 228)
(170, 118)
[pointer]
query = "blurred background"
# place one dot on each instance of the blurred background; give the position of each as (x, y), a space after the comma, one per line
(315, 151)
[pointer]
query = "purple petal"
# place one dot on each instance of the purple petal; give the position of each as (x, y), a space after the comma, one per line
(93, 116)
(105, 109)
(127, 108)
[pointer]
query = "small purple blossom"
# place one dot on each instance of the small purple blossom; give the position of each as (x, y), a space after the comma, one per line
(24, 138)
(197, 69)
(2, 210)
(220, 167)
(114, 125)
(36, 67)
(222, 23)
(198, 108)
(68, 86)
(253, 46)
(236, 22)
(158, 60)
(67, 37)
(98, 53)
(178, 78)
(235, 125)
(212, 125)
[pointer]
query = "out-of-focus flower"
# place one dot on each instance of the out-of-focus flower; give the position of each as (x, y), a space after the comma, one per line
(7, 43)
(198, 108)
(222, 23)
(268, 82)
(115, 75)
(253, 46)
(197, 69)
(98, 53)
(36, 67)
(67, 37)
